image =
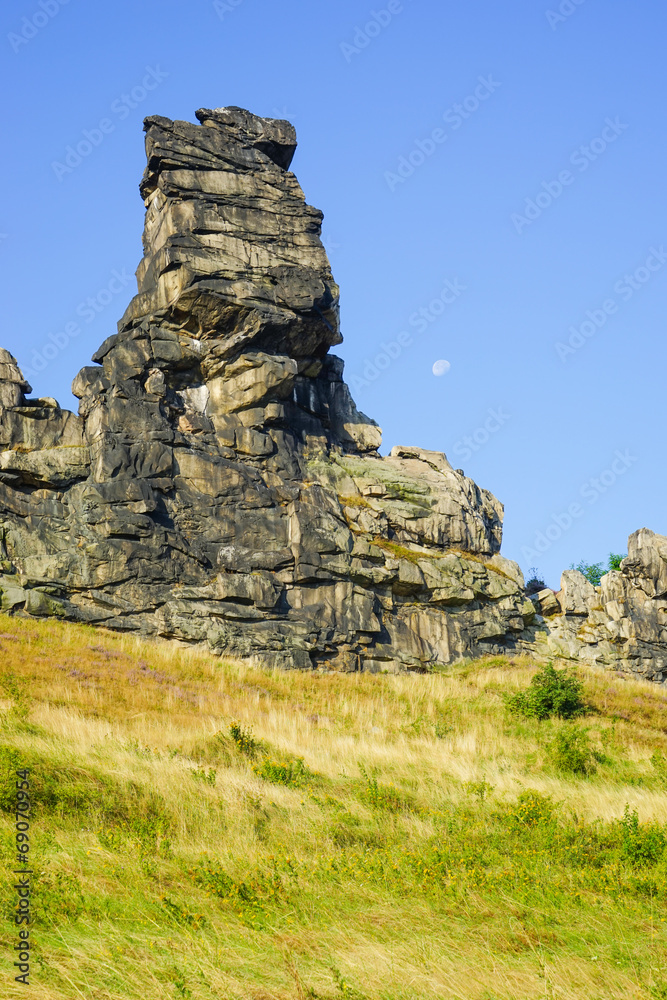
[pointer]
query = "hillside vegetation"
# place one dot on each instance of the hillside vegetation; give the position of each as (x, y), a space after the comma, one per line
(209, 829)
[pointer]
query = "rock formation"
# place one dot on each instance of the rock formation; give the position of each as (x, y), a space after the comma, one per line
(219, 484)
(620, 624)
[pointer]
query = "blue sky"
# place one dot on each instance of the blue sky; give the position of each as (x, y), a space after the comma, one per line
(492, 178)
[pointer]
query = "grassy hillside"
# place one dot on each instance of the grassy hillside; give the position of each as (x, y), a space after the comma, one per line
(209, 829)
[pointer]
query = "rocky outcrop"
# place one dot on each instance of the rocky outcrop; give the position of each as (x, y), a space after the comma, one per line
(220, 486)
(620, 624)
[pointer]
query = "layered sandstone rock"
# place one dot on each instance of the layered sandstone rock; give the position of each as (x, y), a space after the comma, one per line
(220, 486)
(620, 624)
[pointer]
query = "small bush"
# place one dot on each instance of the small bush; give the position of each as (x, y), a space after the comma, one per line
(292, 773)
(641, 843)
(571, 751)
(592, 571)
(532, 809)
(259, 888)
(551, 692)
(595, 571)
(215, 880)
(482, 789)
(147, 833)
(245, 741)
(535, 583)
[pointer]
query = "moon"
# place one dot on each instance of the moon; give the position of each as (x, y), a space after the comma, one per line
(441, 367)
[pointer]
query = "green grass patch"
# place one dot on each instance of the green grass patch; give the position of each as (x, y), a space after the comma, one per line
(204, 829)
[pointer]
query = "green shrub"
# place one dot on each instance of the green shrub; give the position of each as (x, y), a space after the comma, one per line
(595, 571)
(532, 809)
(292, 773)
(215, 880)
(571, 751)
(245, 741)
(641, 843)
(151, 831)
(180, 984)
(592, 571)
(258, 889)
(551, 692)
(482, 789)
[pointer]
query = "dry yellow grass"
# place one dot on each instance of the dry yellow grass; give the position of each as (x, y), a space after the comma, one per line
(117, 719)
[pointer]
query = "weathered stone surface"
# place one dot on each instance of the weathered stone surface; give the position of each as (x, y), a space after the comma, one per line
(51, 467)
(219, 484)
(620, 624)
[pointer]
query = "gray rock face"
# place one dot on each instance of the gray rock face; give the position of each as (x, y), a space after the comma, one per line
(220, 486)
(620, 624)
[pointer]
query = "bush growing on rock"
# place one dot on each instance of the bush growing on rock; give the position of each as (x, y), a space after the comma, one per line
(535, 584)
(592, 571)
(595, 571)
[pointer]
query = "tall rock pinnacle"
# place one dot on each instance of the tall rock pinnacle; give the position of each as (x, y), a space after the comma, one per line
(219, 485)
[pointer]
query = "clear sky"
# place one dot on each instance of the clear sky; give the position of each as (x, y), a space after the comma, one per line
(492, 177)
